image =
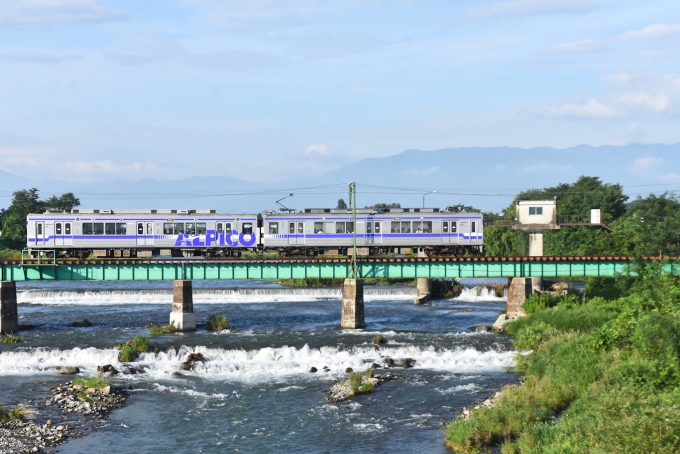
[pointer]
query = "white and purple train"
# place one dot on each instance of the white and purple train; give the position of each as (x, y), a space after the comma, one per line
(147, 233)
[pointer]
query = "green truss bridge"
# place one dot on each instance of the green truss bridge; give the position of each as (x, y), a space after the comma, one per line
(444, 267)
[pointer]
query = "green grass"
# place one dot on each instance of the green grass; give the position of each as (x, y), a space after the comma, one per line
(96, 382)
(11, 339)
(16, 413)
(163, 329)
(354, 382)
(217, 323)
(129, 350)
(602, 376)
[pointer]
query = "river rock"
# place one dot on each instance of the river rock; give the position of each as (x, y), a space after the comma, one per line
(375, 366)
(69, 371)
(349, 370)
(312, 369)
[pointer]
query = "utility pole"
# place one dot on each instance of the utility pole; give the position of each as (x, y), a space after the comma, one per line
(353, 204)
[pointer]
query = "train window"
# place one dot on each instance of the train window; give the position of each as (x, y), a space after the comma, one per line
(417, 227)
(377, 227)
(219, 227)
(57, 228)
(301, 228)
(201, 228)
(110, 228)
(405, 227)
(454, 227)
(395, 227)
(149, 228)
(318, 227)
(179, 228)
(474, 226)
(121, 228)
(167, 228)
(291, 228)
(87, 228)
(190, 228)
(273, 228)
(445, 227)
(369, 227)
(350, 227)
(98, 228)
(227, 226)
(40, 228)
(427, 226)
(339, 227)
(67, 228)
(247, 228)
(140, 229)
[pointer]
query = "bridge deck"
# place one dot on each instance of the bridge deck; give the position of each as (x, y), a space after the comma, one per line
(444, 267)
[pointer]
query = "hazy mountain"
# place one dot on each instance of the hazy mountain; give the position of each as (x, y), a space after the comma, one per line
(484, 177)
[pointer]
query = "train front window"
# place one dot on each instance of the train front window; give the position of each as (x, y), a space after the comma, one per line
(67, 228)
(273, 228)
(318, 227)
(377, 227)
(339, 227)
(110, 228)
(57, 228)
(394, 228)
(201, 228)
(445, 227)
(87, 228)
(121, 228)
(417, 227)
(369, 227)
(190, 228)
(247, 228)
(427, 226)
(405, 227)
(179, 228)
(167, 228)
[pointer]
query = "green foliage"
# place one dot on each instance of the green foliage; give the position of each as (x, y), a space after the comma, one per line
(163, 329)
(96, 382)
(130, 349)
(460, 208)
(24, 202)
(367, 388)
(11, 339)
(17, 413)
(376, 206)
(341, 204)
(369, 373)
(354, 381)
(217, 323)
(609, 368)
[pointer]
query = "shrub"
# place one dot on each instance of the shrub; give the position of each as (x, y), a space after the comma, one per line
(97, 382)
(217, 323)
(163, 329)
(369, 373)
(130, 349)
(354, 381)
(17, 413)
(11, 339)
(366, 388)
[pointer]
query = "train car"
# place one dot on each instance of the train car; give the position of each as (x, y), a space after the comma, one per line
(325, 230)
(143, 233)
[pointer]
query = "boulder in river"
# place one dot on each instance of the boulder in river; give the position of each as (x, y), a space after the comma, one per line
(313, 369)
(69, 371)
(349, 370)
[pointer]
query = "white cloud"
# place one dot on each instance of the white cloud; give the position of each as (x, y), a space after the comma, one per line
(320, 149)
(420, 172)
(39, 14)
(40, 57)
(108, 167)
(579, 47)
(593, 109)
(534, 7)
(653, 31)
(652, 167)
(656, 103)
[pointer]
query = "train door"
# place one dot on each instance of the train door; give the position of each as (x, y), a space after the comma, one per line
(58, 234)
(291, 233)
(149, 234)
(463, 232)
(300, 233)
(446, 236)
(39, 234)
(140, 234)
(68, 235)
(473, 231)
(369, 236)
(49, 234)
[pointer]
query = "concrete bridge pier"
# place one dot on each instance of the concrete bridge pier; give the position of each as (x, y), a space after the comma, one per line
(182, 315)
(423, 290)
(9, 317)
(519, 289)
(353, 304)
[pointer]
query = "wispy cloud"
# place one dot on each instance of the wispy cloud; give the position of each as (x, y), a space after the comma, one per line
(653, 31)
(546, 167)
(420, 172)
(40, 14)
(514, 8)
(652, 167)
(41, 57)
(318, 149)
(578, 47)
(592, 109)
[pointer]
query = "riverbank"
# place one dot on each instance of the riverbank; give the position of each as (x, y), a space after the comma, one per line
(601, 375)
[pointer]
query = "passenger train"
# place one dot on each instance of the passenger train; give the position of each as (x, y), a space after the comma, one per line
(314, 231)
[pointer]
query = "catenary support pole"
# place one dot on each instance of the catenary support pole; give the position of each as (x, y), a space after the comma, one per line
(182, 315)
(9, 317)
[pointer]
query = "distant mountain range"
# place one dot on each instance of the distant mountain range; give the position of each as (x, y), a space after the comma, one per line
(484, 177)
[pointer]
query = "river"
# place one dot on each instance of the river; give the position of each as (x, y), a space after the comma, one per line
(255, 392)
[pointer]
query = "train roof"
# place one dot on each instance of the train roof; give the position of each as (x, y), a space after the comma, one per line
(369, 210)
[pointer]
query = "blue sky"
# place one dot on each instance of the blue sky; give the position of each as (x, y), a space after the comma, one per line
(269, 90)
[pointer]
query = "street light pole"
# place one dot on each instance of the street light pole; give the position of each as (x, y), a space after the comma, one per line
(431, 192)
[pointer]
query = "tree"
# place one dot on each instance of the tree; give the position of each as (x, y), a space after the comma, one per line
(460, 208)
(341, 204)
(376, 206)
(66, 202)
